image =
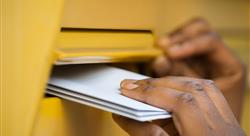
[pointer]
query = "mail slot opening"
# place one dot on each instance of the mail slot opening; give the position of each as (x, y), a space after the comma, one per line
(84, 46)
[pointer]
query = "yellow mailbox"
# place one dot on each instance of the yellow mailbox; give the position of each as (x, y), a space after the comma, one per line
(40, 34)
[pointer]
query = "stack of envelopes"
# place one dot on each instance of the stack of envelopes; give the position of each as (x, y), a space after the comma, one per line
(99, 86)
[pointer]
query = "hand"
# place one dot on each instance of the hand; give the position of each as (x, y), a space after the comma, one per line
(196, 50)
(197, 106)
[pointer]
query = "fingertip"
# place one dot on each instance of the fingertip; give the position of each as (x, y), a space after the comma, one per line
(131, 94)
(124, 92)
(126, 81)
(161, 66)
(163, 42)
(128, 84)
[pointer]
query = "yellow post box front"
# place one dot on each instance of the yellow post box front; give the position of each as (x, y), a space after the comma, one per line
(38, 37)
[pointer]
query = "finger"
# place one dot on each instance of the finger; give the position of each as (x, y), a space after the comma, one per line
(188, 85)
(197, 87)
(161, 66)
(128, 83)
(193, 23)
(156, 95)
(188, 31)
(198, 46)
(197, 27)
(173, 82)
(152, 95)
(221, 103)
(135, 128)
(163, 42)
(180, 68)
(182, 105)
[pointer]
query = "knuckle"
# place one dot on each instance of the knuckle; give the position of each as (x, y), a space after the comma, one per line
(185, 98)
(208, 82)
(147, 88)
(194, 85)
(145, 93)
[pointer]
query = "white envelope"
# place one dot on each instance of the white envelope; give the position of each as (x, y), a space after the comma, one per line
(98, 86)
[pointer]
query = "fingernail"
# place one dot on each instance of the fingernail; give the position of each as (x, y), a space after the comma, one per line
(129, 86)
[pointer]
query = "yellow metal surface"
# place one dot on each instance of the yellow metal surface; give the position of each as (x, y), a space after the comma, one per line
(161, 15)
(104, 39)
(245, 120)
(99, 46)
(51, 120)
(113, 14)
(29, 32)
(59, 117)
(108, 55)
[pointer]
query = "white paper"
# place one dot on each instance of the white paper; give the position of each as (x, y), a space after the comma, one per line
(99, 84)
(139, 118)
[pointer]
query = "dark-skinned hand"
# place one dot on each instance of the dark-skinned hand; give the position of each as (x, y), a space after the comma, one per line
(196, 50)
(197, 106)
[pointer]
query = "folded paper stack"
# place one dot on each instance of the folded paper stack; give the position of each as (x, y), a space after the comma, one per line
(99, 86)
